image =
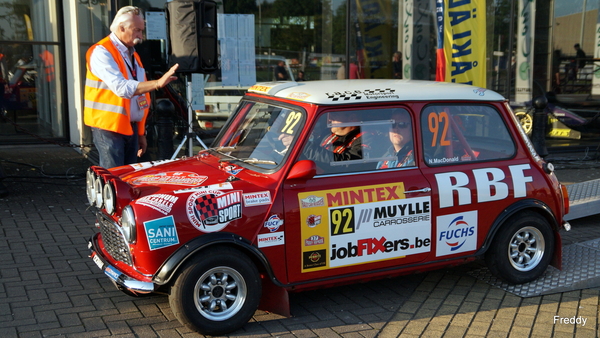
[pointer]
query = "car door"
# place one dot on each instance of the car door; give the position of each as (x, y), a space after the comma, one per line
(355, 216)
(475, 172)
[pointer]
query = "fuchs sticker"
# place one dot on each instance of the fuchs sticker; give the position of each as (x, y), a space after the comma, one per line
(161, 233)
(257, 198)
(313, 220)
(314, 240)
(456, 233)
(212, 210)
(271, 239)
(314, 259)
(162, 203)
(312, 201)
(183, 178)
(273, 223)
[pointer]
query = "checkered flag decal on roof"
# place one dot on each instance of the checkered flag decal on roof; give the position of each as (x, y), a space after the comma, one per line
(206, 209)
(386, 91)
(344, 96)
(358, 94)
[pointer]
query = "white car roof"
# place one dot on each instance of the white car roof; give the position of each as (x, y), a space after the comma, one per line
(355, 91)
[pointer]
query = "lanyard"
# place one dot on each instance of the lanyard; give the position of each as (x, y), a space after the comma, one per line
(134, 70)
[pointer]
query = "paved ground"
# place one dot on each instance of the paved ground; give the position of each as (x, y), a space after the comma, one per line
(50, 288)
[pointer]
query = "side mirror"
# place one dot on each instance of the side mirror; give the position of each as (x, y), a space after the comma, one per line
(304, 169)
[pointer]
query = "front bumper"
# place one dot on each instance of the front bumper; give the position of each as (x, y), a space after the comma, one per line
(122, 281)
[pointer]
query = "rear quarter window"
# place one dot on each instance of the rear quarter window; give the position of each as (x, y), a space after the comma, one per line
(453, 134)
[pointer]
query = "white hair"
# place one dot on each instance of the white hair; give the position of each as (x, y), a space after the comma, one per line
(125, 16)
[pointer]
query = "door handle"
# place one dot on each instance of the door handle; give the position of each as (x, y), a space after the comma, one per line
(419, 190)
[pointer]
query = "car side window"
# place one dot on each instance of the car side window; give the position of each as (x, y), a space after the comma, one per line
(359, 140)
(464, 133)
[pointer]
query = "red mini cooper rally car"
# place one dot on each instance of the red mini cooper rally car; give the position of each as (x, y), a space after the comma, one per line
(314, 184)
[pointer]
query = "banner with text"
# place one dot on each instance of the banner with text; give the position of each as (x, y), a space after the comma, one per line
(374, 38)
(464, 44)
(524, 57)
(416, 45)
(596, 65)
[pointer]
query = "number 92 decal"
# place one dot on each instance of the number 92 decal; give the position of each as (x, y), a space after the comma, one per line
(341, 221)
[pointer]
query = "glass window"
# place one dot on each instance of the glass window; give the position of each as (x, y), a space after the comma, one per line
(31, 88)
(359, 140)
(464, 133)
(261, 134)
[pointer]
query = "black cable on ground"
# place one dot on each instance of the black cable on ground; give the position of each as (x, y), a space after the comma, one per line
(38, 179)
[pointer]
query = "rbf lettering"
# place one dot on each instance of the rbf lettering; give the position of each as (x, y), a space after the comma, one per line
(491, 185)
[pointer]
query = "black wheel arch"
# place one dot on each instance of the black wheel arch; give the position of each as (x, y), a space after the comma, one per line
(190, 249)
(527, 204)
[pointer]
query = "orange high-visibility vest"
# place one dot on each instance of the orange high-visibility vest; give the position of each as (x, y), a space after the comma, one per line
(104, 109)
(48, 60)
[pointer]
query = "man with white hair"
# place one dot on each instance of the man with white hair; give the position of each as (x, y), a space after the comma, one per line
(116, 91)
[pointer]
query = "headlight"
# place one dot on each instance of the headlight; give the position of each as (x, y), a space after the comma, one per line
(108, 195)
(90, 186)
(99, 186)
(128, 224)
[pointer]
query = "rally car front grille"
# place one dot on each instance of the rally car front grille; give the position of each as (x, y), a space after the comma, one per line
(113, 240)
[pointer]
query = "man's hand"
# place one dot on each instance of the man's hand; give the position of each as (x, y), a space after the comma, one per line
(168, 76)
(285, 139)
(148, 86)
(143, 144)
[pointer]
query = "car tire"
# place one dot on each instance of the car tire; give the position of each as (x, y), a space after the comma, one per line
(198, 294)
(525, 118)
(522, 249)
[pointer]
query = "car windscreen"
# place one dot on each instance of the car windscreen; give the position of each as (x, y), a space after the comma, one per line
(260, 134)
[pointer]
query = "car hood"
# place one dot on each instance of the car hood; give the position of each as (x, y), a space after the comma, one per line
(189, 174)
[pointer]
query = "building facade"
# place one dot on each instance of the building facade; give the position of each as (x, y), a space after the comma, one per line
(519, 48)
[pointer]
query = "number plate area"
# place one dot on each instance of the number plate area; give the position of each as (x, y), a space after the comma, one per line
(98, 261)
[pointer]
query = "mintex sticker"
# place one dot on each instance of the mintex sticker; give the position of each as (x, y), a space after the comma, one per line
(456, 233)
(184, 178)
(257, 198)
(358, 225)
(161, 233)
(259, 89)
(162, 203)
(212, 210)
(271, 239)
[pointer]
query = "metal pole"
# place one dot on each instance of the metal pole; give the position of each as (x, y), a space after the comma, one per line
(347, 64)
(190, 112)
(511, 46)
(582, 22)
(540, 118)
